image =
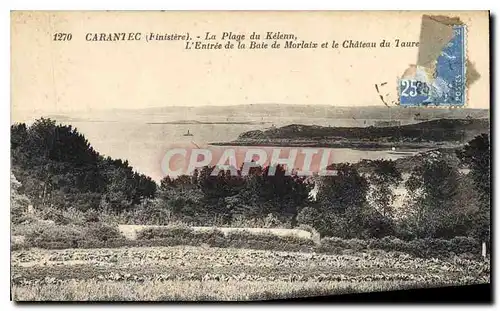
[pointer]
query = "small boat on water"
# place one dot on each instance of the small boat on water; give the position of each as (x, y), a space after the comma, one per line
(188, 134)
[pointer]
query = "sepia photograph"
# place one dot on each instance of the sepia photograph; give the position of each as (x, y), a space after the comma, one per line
(249, 155)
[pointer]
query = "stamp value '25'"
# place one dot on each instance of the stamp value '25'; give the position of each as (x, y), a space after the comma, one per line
(443, 83)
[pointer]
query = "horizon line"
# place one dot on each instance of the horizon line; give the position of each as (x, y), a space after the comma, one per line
(234, 105)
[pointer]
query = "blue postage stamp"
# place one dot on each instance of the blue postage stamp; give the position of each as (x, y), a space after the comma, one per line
(444, 85)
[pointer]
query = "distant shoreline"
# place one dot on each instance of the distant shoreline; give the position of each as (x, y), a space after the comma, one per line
(357, 145)
(207, 122)
(430, 134)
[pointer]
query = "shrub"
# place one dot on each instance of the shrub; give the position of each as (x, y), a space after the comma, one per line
(49, 213)
(18, 202)
(309, 216)
(74, 216)
(378, 226)
(51, 236)
(240, 221)
(177, 235)
(55, 236)
(171, 231)
(386, 243)
(92, 216)
(102, 232)
(150, 212)
(272, 221)
(430, 247)
(24, 219)
(419, 247)
(332, 243)
(180, 235)
(335, 226)
(461, 244)
(25, 228)
(357, 244)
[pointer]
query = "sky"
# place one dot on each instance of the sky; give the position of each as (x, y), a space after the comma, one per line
(80, 75)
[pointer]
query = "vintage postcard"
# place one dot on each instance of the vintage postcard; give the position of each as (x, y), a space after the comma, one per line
(244, 155)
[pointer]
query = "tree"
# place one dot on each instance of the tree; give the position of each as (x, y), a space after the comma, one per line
(341, 200)
(181, 197)
(58, 167)
(286, 193)
(384, 177)
(345, 190)
(476, 156)
(280, 194)
(18, 202)
(119, 192)
(433, 186)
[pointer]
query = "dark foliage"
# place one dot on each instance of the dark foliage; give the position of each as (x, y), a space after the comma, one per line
(168, 236)
(435, 130)
(425, 248)
(58, 167)
(476, 156)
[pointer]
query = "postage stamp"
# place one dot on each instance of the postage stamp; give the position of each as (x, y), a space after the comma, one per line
(443, 83)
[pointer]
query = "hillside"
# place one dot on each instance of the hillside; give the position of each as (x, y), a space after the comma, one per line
(319, 111)
(435, 131)
(255, 112)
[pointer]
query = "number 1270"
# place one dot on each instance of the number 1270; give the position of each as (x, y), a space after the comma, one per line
(60, 36)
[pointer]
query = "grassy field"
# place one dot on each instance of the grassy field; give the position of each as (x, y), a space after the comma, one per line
(205, 273)
(90, 290)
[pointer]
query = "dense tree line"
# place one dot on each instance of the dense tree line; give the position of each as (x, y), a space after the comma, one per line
(58, 168)
(256, 195)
